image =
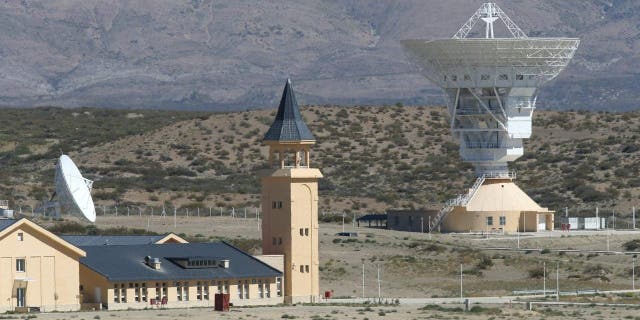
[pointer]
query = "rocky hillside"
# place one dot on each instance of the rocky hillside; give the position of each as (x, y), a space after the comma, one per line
(234, 55)
(373, 158)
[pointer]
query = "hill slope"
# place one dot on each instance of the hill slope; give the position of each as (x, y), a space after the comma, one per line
(373, 158)
(234, 55)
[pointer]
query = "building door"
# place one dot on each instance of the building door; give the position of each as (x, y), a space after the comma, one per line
(98, 294)
(21, 295)
(542, 222)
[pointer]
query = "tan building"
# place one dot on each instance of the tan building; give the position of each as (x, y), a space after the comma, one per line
(175, 275)
(290, 201)
(498, 205)
(38, 270)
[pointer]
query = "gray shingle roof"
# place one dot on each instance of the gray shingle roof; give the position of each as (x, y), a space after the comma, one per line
(288, 125)
(5, 223)
(126, 262)
(80, 241)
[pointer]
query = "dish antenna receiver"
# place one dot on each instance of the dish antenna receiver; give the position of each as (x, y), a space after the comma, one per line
(73, 192)
(491, 86)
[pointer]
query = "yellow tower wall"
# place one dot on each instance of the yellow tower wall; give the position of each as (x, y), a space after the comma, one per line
(293, 227)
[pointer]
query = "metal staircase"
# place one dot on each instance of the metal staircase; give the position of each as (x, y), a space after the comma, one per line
(460, 200)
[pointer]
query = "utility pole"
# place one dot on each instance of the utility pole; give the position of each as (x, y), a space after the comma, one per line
(461, 281)
(544, 278)
(633, 272)
(362, 280)
(557, 282)
(379, 291)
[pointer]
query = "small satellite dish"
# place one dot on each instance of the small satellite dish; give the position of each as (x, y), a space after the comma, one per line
(73, 190)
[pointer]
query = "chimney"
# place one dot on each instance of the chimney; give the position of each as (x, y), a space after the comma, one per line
(156, 263)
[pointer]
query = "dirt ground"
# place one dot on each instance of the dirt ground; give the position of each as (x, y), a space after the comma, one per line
(399, 312)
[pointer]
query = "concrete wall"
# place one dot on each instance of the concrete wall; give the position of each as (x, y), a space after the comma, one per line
(51, 271)
(410, 220)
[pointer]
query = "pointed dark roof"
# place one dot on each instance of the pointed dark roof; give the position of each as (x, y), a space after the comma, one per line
(288, 125)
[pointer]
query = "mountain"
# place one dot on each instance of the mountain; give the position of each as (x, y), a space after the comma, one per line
(235, 55)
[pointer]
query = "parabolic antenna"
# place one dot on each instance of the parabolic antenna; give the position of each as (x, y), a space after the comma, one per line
(491, 86)
(73, 190)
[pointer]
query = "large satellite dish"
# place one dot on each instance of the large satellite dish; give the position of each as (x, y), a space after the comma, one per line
(73, 190)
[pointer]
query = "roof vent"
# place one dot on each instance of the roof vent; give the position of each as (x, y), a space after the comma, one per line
(152, 262)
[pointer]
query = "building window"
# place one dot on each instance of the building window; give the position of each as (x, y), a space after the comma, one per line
(240, 288)
(219, 287)
(199, 291)
(165, 290)
(467, 77)
(267, 289)
(279, 241)
(306, 231)
(226, 287)
(116, 294)
(306, 268)
(489, 221)
(503, 77)
(136, 293)
(182, 291)
(246, 289)
(158, 292)
(205, 291)
(260, 289)
(503, 220)
(519, 77)
(144, 292)
(275, 241)
(301, 231)
(279, 287)
(301, 268)
(454, 77)
(276, 205)
(20, 265)
(123, 293)
(20, 236)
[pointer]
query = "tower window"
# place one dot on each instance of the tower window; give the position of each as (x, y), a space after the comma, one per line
(20, 265)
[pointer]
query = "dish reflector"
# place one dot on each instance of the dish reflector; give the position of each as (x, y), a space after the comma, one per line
(73, 190)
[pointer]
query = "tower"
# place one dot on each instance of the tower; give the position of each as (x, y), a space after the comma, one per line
(290, 201)
(491, 86)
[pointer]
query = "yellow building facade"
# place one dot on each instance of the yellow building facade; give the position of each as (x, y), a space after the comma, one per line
(290, 202)
(38, 270)
(499, 205)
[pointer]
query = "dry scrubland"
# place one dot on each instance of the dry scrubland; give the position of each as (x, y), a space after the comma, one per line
(413, 265)
(373, 158)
